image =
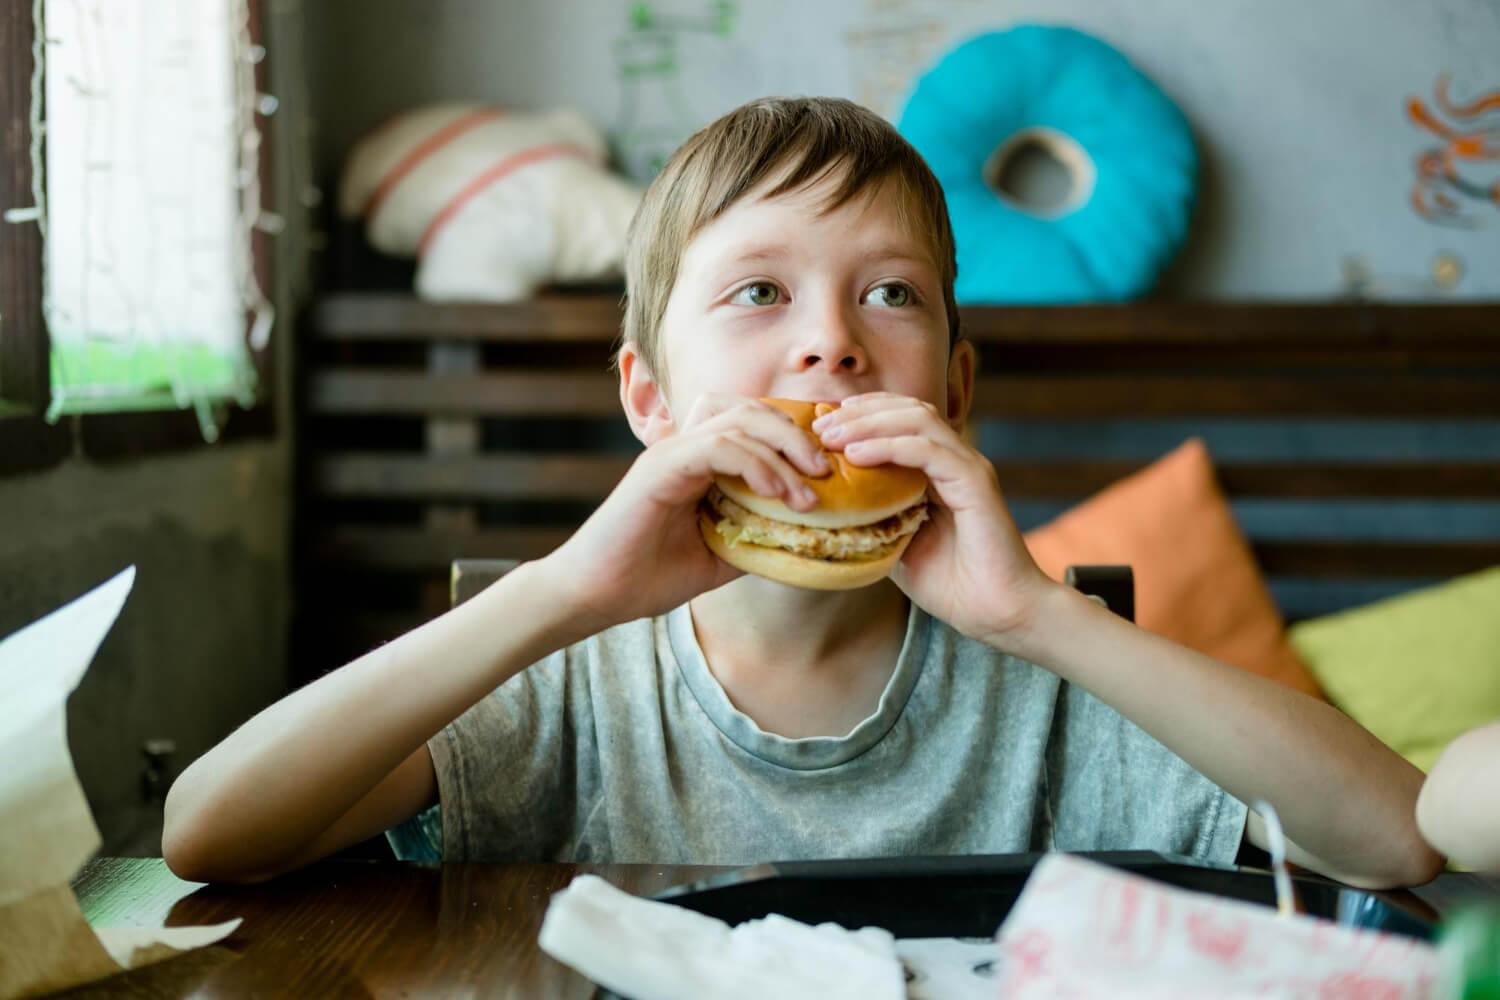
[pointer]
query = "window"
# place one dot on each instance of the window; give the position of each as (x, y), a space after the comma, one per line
(144, 292)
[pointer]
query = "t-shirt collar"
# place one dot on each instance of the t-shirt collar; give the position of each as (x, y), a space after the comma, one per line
(807, 753)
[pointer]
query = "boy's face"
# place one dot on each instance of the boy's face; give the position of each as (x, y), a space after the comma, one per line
(776, 298)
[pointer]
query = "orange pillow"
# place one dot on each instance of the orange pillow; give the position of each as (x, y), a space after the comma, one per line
(1196, 581)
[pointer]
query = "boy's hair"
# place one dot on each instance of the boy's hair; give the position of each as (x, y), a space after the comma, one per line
(805, 137)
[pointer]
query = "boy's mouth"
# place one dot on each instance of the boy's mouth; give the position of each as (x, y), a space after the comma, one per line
(862, 523)
(739, 526)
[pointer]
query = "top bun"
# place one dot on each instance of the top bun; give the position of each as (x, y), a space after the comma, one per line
(849, 496)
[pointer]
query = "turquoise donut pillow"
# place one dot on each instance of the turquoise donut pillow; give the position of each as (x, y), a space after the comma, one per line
(1127, 147)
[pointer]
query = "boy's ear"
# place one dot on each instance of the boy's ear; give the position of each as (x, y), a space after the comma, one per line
(961, 363)
(642, 398)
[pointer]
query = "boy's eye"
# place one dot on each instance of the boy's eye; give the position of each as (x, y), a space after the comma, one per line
(759, 293)
(895, 294)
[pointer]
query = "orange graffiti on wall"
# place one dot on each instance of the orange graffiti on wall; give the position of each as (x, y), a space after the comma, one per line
(1441, 192)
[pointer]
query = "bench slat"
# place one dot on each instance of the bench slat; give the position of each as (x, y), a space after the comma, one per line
(1196, 326)
(1147, 395)
(400, 316)
(1371, 560)
(538, 476)
(348, 392)
(532, 393)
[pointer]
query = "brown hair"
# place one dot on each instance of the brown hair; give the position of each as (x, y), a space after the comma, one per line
(807, 137)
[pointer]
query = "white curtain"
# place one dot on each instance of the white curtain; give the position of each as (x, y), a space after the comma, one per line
(152, 193)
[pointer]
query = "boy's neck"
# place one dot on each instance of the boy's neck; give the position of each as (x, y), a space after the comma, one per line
(801, 663)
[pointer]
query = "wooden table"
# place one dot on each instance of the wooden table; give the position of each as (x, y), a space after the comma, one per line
(346, 929)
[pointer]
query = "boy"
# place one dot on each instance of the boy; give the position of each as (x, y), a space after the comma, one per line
(676, 711)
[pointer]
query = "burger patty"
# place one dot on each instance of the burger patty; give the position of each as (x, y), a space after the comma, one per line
(869, 541)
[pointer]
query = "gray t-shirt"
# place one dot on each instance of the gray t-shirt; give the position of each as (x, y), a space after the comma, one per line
(624, 748)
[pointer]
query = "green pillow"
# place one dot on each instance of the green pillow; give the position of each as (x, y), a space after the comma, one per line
(1416, 670)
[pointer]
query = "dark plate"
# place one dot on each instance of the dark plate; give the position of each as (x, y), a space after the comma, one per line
(969, 896)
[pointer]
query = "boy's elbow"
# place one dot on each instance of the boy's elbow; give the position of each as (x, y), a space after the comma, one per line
(179, 839)
(184, 846)
(1403, 875)
(1410, 864)
(1399, 860)
(182, 856)
(192, 849)
(1406, 857)
(190, 861)
(1421, 865)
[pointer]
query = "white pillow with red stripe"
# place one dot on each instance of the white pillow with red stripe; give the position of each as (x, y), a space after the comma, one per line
(492, 203)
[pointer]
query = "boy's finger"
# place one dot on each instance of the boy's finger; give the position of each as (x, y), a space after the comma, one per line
(737, 459)
(865, 403)
(779, 431)
(915, 451)
(895, 422)
(785, 482)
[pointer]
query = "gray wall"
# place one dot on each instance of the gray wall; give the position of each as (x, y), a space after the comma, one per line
(1298, 106)
(201, 643)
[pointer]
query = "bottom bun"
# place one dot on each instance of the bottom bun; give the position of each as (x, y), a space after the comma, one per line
(799, 571)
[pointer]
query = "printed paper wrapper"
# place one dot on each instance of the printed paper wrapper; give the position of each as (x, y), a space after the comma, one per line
(1084, 930)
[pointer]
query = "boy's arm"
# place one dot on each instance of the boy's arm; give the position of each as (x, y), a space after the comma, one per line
(1459, 808)
(1345, 800)
(345, 757)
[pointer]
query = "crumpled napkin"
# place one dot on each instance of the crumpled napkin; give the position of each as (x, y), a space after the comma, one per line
(657, 951)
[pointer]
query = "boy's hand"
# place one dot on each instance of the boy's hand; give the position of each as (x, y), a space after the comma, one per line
(968, 565)
(640, 553)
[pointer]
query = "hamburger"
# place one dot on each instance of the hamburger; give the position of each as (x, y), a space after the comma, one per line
(863, 521)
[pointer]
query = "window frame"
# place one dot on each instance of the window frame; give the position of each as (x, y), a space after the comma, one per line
(27, 441)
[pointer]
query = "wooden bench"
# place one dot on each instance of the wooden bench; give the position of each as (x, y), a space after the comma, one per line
(432, 432)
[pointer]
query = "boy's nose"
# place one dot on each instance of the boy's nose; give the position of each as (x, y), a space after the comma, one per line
(850, 362)
(833, 348)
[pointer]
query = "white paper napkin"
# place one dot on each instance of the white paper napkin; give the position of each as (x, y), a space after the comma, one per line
(656, 951)
(46, 830)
